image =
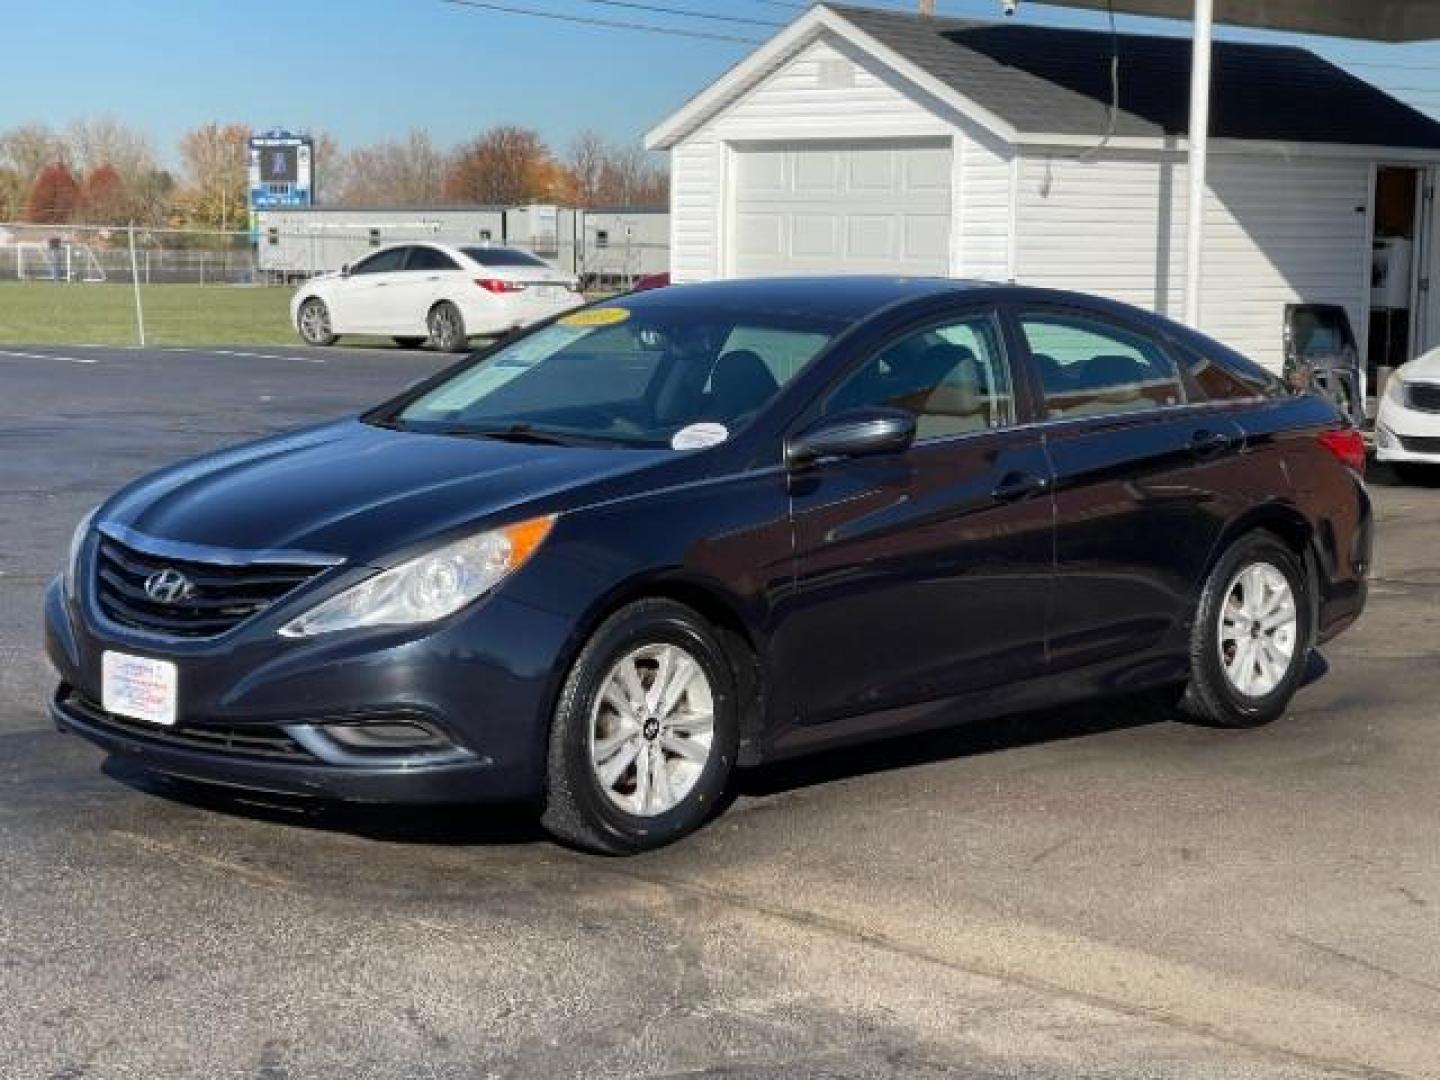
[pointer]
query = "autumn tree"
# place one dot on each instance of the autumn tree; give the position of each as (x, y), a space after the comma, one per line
(404, 172)
(104, 198)
(12, 194)
(506, 165)
(216, 160)
(54, 196)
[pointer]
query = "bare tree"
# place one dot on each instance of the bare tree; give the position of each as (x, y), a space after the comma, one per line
(404, 172)
(29, 148)
(587, 161)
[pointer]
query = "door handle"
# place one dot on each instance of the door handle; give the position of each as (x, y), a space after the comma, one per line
(1206, 441)
(1019, 485)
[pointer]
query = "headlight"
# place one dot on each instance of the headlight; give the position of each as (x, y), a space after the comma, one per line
(77, 546)
(427, 588)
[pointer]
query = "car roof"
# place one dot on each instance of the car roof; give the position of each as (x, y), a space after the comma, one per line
(843, 298)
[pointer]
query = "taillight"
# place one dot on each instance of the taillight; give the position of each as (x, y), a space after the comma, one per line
(1348, 445)
(499, 285)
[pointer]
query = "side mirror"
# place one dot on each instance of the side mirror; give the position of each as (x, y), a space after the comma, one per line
(856, 433)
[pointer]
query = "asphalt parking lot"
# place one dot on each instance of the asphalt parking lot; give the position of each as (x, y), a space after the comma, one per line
(1090, 892)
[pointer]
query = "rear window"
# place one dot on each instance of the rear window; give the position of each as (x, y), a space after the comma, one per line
(498, 256)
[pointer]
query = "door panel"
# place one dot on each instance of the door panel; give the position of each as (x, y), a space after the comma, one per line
(915, 580)
(1139, 504)
(362, 302)
(1144, 483)
(922, 575)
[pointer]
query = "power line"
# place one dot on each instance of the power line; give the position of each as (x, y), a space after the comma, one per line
(608, 24)
(658, 9)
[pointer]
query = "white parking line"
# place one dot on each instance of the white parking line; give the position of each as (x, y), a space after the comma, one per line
(43, 356)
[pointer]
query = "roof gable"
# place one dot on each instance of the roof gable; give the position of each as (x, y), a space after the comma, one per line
(1027, 83)
(1045, 80)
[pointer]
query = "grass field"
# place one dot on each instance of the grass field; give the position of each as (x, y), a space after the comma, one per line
(46, 313)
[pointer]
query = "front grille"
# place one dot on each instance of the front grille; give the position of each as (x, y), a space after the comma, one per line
(1413, 444)
(1423, 396)
(244, 740)
(222, 596)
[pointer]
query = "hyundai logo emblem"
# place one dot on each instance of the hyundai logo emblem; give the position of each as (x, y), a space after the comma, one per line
(168, 586)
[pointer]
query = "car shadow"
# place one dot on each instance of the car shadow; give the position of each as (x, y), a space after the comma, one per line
(965, 739)
(498, 825)
(462, 825)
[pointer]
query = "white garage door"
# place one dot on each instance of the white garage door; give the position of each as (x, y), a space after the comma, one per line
(842, 209)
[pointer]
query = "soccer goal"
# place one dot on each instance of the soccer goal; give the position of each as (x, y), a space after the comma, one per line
(67, 262)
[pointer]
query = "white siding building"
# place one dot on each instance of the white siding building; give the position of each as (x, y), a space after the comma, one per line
(861, 141)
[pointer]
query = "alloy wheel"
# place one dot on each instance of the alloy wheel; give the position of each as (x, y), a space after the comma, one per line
(1259, 625)
(651, 729)
(315, 322)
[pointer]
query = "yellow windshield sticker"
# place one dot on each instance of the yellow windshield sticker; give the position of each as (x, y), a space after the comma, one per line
(600, 316)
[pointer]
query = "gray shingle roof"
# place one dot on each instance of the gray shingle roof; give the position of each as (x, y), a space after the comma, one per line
(1044, 80)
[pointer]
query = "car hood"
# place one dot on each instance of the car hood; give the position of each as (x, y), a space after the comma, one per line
(361, 492)
(1426, 367)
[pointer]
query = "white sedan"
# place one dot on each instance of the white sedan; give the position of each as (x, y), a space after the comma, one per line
(1407, 430)
(436, 292)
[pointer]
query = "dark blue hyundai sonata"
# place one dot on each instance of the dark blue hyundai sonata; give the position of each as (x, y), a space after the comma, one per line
(601, 565)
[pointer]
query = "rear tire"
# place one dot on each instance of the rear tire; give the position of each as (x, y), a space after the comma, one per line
(313, 322)
(1251, 638)
(447, 327)
(409, 342)
(645, 733)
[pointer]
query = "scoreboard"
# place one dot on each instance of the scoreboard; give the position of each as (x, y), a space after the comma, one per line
(282, 171)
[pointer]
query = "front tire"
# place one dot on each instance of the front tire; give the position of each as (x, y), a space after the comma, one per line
(313, 321)
(447, 327)
(645, 733)
(1251, 638)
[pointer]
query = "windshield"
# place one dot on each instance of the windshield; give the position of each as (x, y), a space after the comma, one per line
(667, 376)
(488, 256)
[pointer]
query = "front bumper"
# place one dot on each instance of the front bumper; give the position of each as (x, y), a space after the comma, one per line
(483, 680)
(1406, 435)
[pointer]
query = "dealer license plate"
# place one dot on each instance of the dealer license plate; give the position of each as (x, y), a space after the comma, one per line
(139, 688)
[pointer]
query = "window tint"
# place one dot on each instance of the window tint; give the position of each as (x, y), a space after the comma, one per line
(1216, 382)
(382, 262)
(499, 256)
(638, 374)
(953, 378)
(427, 258)
(1090, 368)
(783, 352)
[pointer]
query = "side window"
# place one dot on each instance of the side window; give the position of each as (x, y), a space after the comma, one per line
(382, 262)
(1088, 367)
(427, 258)
(952, 377)
(1216, 382)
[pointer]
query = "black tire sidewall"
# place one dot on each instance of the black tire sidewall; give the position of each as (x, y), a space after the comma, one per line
(647, 623)
(1237, 709)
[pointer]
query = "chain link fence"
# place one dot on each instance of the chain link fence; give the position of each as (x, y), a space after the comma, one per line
(77, 284)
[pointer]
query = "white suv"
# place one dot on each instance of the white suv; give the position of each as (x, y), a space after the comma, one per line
(435, 292)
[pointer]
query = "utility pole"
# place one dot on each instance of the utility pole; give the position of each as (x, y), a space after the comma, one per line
(927, 7)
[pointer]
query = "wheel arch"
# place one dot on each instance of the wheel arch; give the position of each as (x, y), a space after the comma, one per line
(719, 607)
(1292, 528)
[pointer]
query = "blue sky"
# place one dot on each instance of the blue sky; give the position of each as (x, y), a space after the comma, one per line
(367, 69)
